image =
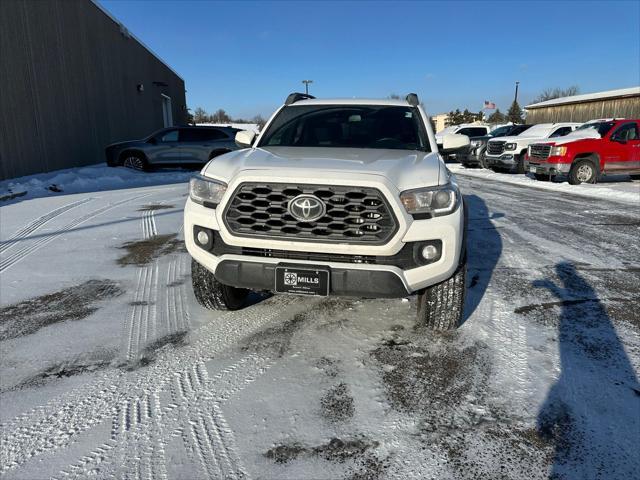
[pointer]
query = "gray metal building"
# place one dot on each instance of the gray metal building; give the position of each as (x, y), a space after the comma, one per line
(72, 80)
(621, 103)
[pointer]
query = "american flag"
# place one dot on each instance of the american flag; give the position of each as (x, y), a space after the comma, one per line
(489, 105)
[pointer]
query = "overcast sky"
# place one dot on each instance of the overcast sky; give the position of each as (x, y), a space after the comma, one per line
(246, 57)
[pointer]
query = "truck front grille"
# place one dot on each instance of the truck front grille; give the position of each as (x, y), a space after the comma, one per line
(495, 148)
(540, 151)
(353, 214)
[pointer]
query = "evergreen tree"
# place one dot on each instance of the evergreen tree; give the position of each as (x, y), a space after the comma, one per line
(515, 113)
(454, 118)
(497, 117)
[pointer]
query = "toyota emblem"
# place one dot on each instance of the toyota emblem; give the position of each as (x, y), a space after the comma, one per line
(307, 208)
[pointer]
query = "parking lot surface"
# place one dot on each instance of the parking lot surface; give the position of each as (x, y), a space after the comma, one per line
(110, 369)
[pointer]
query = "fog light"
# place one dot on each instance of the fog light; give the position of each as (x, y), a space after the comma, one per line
(429, 252)
(203, 238)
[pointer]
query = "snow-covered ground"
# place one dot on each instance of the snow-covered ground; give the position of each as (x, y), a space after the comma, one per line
(93, 178)
(614, 187)
(110, 369)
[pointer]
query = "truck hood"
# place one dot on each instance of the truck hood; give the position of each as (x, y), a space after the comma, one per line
(520, 140)
(406, 169)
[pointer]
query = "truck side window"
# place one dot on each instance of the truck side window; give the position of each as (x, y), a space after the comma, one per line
(170, 136)
(628, 131)
(561, 132)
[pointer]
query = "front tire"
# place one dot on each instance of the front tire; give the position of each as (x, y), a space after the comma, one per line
(135, 161)
(520, 163)
(212, 294)
(483, 162)
(440, 306)
(583, 171)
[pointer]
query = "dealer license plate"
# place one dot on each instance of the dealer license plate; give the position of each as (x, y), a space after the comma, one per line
(533, 168)
(302, 281)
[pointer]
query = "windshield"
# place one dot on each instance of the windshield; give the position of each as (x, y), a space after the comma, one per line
(500, 131)
(518, 129)
(347, 126)
(601, 127)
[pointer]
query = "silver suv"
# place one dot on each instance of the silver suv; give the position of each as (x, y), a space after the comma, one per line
(182, 146)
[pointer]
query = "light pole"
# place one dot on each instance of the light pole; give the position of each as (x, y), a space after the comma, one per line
(516, 97)
(306, 85)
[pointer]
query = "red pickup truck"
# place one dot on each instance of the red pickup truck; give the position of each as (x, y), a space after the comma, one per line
(597, 148)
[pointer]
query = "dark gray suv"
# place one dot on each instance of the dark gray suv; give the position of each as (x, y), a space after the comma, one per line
(173, 146)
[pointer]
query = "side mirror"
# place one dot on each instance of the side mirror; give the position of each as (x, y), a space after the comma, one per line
(453, 141)
(618, 140)
(153, 141)
(244, 138)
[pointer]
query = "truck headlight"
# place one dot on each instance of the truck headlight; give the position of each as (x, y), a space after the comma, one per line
(436, 201)
(510, 146)
(475, 143)
(206, 191)
(558, 151)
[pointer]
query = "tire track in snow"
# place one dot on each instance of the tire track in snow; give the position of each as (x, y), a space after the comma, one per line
(506, 331)
(149, 228)
(200, 403)
(137, 447)
(176, 310)
(25, 251)
(141, 326)
(31, 227)
(55, 424)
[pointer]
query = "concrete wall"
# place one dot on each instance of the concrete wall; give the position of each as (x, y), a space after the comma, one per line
(628, 107)
(68, 86)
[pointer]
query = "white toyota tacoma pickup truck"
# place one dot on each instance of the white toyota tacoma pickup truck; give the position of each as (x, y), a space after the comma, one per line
(334, 197)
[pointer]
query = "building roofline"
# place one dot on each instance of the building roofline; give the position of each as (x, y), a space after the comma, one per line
(587, 97)
(124, 27)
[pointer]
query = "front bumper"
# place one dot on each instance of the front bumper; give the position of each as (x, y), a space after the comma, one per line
(504, 160)
(252, 263)
(471, 156)
(342, 281)
(547, 168)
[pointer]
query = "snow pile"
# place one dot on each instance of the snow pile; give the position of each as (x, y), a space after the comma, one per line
(93, 178)
(590, 132)
(616, 188)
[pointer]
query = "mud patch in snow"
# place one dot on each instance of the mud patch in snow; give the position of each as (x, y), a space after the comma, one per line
(329, 366)
(508, 452)
(422, 377)
(370, 467)
(336, 450)
(73, 303)
(277, 340)
(337, 403)
(150, 352)
(155, 206)
(143, 252)
(82, 364)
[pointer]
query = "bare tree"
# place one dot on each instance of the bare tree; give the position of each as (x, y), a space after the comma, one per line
(200, 115)
(259, 120)
(220, 116)
(551, 93)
